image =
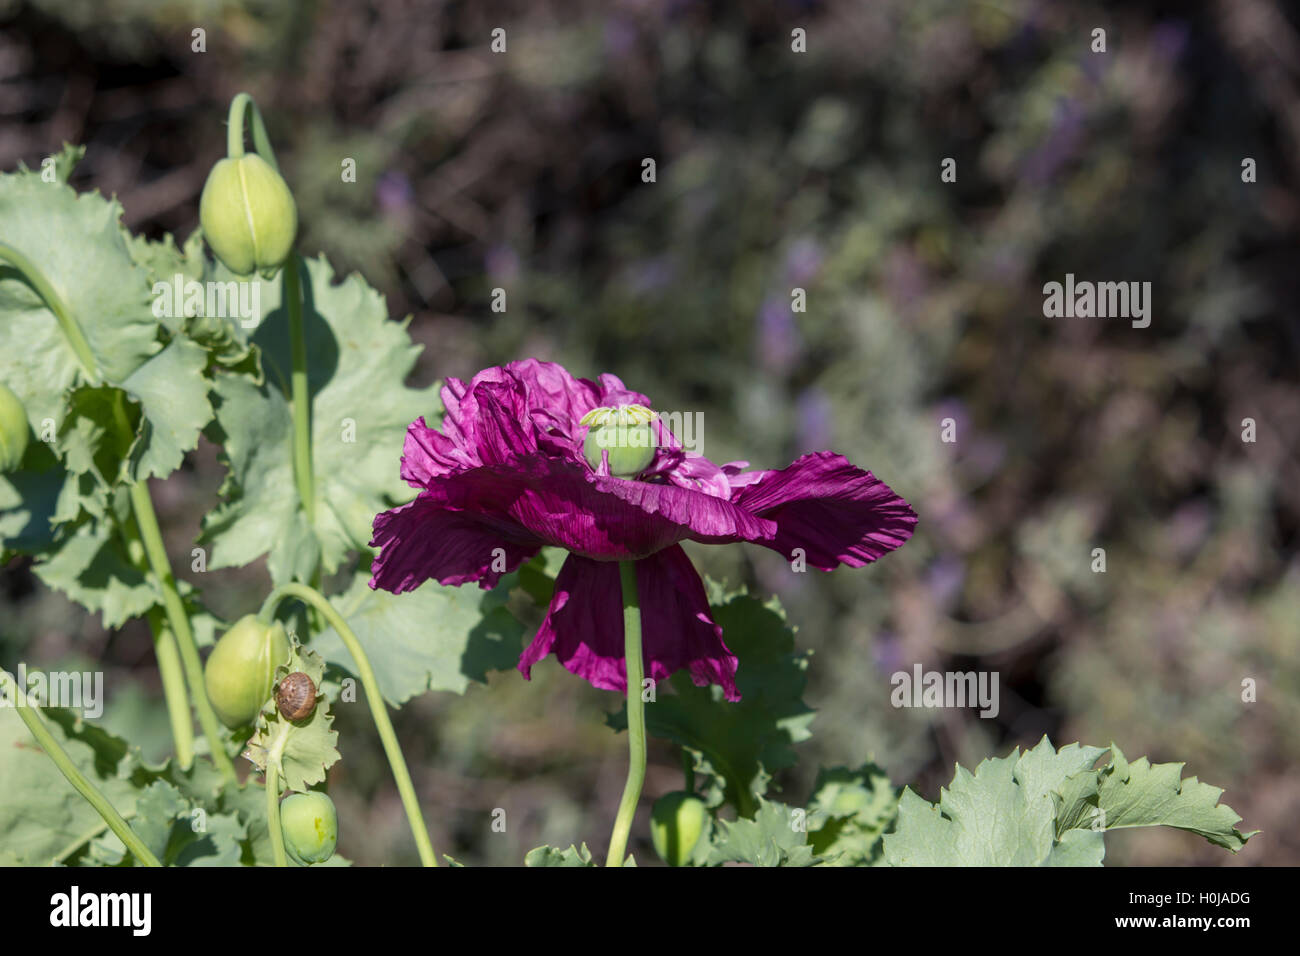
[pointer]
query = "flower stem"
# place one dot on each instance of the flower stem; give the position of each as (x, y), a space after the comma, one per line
(174, 692)
(151, 535)
(303, 471)
(166, 650)
(273, 813)
(235, 130)
(300, 396)
(302, 465)
(374, 698)
(83, 786)
(72, 331)
(635, 715)
(304, 477)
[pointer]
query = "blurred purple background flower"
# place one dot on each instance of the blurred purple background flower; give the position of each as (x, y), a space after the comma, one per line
(803, 260)
(501, 263)
(651, 275)
(779, 343)
(816, 425)
(1059, 145)
(887, 652)
(393, 192)
(944, 579)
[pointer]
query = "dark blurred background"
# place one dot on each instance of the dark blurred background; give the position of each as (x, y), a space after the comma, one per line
(778, 170)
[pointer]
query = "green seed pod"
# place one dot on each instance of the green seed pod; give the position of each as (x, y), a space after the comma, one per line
(676, 823)
(626, 432)
(310, 825)
(13, 430)
(248, 215)
(240, 671)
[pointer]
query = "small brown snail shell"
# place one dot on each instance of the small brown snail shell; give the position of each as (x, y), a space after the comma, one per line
(296, 696)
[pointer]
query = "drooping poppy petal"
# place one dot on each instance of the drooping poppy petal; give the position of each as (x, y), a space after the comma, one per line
(565, 505)
(836, 512)
(584, 625)
(424, 540)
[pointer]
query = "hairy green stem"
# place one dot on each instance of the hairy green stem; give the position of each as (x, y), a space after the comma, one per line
(300, 397)
(241, 104)
(273, 813)
(80, 783)
(174, 692)
(304, 477)
(304, 472)
(166, 649)
(374, 698)
(635, 715)
(72, 331)
(151, 535)
(302, 465)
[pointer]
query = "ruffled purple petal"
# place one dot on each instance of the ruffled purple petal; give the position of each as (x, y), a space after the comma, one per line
(539, 500)
(553, 391)
(428, 454)
(483, 423)
(584, 626)
(836, 512)
(608, 518)
(424, 540)
(504, 411)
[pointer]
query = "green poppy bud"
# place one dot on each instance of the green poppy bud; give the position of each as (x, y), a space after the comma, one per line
(676, 823)
(310, 825)
(240, 671)
(626, 432)
(13, 430)
(248, 215)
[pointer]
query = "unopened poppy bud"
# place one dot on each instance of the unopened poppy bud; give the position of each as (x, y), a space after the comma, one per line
(676, 824)
(13, 430)
(310, 826)
(626, 432)
(248, 215)
(240, 671)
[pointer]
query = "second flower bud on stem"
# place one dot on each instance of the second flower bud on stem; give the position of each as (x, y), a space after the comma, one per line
(247, 210)
(248, 215)
(240, 671)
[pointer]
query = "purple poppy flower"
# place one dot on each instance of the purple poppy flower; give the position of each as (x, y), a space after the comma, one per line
(508, 471)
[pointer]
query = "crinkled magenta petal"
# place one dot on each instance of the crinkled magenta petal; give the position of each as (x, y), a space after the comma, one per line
(584, 625)
(425, 539)
(833, 510)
